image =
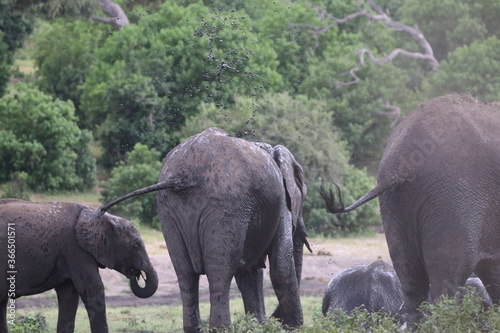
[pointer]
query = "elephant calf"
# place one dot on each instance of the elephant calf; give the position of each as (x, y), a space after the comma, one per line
(374, 287)
(61, 246)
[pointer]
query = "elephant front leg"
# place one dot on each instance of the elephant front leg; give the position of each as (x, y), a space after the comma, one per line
(67, 298)
(250, 283)
(92, 295)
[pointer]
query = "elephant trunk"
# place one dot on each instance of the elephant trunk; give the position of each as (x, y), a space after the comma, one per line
(151, 284)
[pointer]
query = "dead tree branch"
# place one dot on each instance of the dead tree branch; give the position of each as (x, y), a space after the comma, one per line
(116, 15)
(427, 55)
(394, 113)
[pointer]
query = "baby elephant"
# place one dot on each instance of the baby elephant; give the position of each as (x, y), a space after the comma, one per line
(62, 245)
(375, 287)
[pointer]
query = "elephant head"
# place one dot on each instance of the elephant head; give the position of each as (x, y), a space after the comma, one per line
(116, 244)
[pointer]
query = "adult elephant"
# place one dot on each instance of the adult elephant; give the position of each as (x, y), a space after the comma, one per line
(439, 192)
(61, 246)
(224, 205)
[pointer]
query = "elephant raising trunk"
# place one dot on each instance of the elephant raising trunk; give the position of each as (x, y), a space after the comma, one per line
(151, 284)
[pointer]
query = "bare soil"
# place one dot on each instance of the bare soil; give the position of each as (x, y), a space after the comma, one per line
(329, 257)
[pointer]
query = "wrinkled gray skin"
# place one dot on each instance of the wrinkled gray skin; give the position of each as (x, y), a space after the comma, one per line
(439, 194)
(224, 205)
(374, 287)
(61, 245)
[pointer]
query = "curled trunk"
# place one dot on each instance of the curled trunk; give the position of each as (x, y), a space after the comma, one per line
(151, 284)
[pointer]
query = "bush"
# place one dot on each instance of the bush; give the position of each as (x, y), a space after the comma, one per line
(356, 321)
(466, 315)
(141, 169)
(39, 136)
(29, 324)
(17, 187)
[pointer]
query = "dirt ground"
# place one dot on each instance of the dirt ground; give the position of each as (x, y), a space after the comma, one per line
(328, 258)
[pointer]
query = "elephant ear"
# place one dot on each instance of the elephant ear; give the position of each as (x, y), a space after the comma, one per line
(95, 234)
(293, 177)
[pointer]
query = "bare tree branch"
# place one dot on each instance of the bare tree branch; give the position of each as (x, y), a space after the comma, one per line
(394, 113)
(415, 33)
(116, 14)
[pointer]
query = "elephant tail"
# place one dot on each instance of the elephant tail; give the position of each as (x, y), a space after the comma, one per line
(169, 183)
(334, 202)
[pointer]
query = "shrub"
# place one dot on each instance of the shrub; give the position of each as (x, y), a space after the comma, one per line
(356, 321)
(29, 324)
(466, 315)
(142, 168)
(40, 136)
(17, 187)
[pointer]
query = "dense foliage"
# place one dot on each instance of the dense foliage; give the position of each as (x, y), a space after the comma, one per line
(142, 168)
(14, 28)
(39, 136)
(260, 69)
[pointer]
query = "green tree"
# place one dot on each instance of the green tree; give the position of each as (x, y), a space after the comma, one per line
(39, 136)
(14, 28)
(450, 24)
(80, 40)
(124, 110)
(277, 21)
(355, 105)
(474, 68)
(190, 55)
(141, 169)
(51, 9)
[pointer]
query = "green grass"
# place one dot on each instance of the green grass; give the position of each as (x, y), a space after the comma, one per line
(90, 197)
(446, 316)
(157, 318)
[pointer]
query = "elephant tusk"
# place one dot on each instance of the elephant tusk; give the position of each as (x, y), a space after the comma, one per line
(144, 275)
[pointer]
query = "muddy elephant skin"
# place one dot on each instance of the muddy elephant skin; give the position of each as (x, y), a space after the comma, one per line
(61, 246)
(374, 287)
(225, 204)
(439, 194)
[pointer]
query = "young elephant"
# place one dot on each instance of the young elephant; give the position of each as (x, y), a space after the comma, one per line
(61, 246)
(374, 287)
(225, 204)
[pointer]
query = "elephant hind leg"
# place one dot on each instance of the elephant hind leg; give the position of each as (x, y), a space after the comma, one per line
(250, 283)
(407, 262)
(67, 298)
(219, 281)
(189, 287)
(284, 277)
